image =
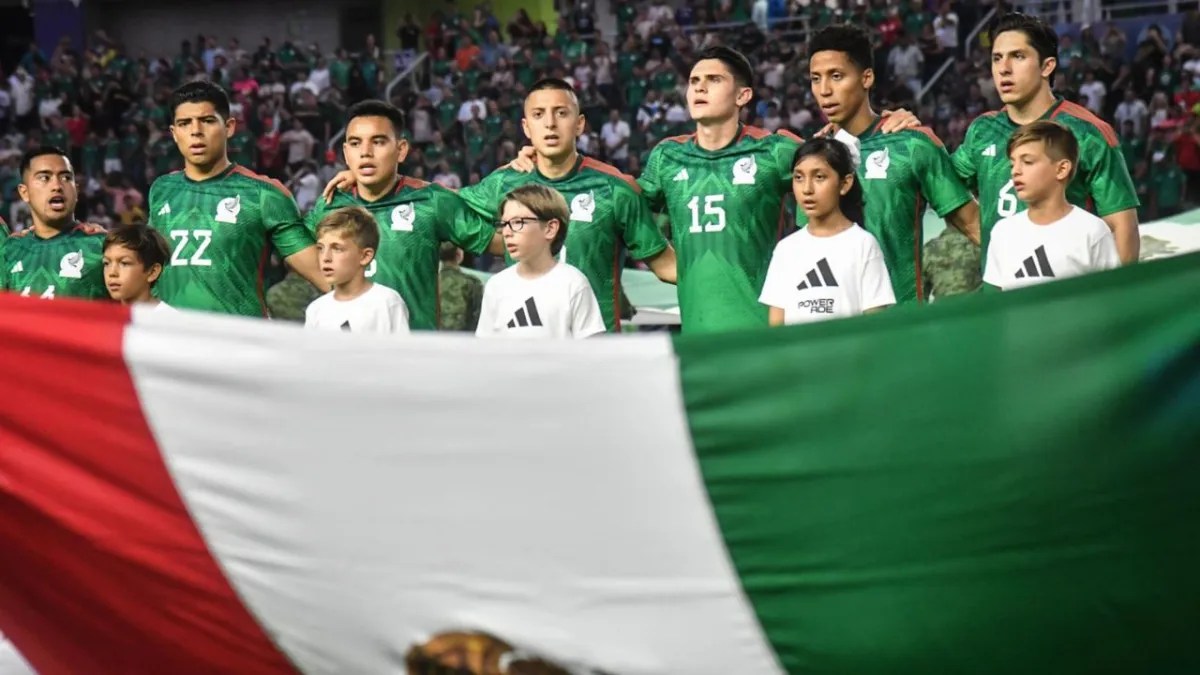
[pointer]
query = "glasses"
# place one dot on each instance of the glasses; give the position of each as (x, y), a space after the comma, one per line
(515, 224)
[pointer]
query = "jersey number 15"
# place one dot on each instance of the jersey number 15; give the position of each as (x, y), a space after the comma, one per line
(714, 214)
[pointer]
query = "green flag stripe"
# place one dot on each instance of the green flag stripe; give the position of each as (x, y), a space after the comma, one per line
(1001, 485)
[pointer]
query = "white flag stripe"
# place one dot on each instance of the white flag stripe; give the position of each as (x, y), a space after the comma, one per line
(372, 495)
(11, 662)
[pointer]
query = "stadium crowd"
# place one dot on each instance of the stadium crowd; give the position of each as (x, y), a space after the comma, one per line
(107, 105)
(109, 109)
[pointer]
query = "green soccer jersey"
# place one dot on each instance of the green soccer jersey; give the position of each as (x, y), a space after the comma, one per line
(608, 214)
(725, 208)
(1101, 184)
(413, 222)
(67, 265)
(221, 231)
(900, 172)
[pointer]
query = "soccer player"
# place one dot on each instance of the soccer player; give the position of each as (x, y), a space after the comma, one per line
(57, 256)
(414, 217)
(346, 243)
(134, 258)
(723, 188)
(607, 210)
(539, 297)
(1024, 57)
(221, 219)
(1051, 239)
(898, 172)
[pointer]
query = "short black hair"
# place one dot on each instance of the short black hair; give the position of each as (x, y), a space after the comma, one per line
(377, 108)
(146, 242)
(1040, 34)
(41, 151)
(551, 83)
(735, 61)
(851, 40)
(200, 92)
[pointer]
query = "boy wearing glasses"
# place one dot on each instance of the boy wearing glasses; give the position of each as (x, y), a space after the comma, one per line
(538, 297)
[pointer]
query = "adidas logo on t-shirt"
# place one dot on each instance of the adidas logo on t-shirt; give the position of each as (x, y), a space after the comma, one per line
(346, 326)
(1036, 265)
(819, 276)
(527, 316)
(682, 175)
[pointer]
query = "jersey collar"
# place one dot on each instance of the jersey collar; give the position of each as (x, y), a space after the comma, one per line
(211, 179)
(566, 176)
(1049, 114)
(737, 138)
(873, 128)
(400, 183)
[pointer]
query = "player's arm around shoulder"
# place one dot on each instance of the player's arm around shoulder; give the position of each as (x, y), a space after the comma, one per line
(468, 228)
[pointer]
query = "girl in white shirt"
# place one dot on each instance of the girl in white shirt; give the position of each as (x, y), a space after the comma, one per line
(832, 268)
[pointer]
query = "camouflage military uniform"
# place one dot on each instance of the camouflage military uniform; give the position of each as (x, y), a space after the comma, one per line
(460, 296)
(288, 299)
(951, 264)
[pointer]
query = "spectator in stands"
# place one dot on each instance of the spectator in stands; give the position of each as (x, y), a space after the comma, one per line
(298, 143)
(1133, 112)
(945, 25)
(905, 63)
(1093, 92)
(616, 135)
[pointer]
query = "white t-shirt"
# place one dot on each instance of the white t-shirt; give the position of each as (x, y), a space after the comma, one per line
(817, 278)
(558, 304)
(380, 310)
(1094, 92)
(613, 134)
(1023, 253)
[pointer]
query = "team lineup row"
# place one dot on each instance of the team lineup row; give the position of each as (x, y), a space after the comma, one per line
(722, 187)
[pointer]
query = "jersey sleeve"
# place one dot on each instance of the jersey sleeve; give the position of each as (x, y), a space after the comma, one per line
(993, 272)
(638, 229)
(5, 281)
(398, 316)
(964, 163)
(782, 153)
(585, 311)
(459, 223)
(940, 182)
(487, 312)
(1108, 181)
(315, 214)
(1104, 252)
(152, 210)
(281, 218)
(650, 181)
(876, 283)
(774, 290)
(484, 197)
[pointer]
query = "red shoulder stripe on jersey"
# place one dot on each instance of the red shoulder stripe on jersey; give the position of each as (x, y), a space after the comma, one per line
(243, 171)
(414, 183)
(754, 132)
(991, 113)
(789, 135)
(1080, 112)
(90, 228)
(608, 169)
(684, 138)
(932, 136)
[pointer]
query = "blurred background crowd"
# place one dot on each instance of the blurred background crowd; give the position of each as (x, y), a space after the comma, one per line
(461, 73)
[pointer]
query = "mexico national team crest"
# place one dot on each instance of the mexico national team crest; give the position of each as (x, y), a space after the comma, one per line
(71, 265)
(403, 217)
(744, 170)
(583, 207)
(877, 164)
(228, 209)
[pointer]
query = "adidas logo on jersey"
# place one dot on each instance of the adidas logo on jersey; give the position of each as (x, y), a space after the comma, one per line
(526, 316)
(818, 276)
(989, 151)
(682, 175)
(19, 267)
(1036, 265)
(165, 210)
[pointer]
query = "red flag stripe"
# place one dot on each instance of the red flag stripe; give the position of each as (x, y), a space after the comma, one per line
(110, 502)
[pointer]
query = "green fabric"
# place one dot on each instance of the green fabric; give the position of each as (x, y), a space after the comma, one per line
(1005, 485)
(65, 265)
(221, 231)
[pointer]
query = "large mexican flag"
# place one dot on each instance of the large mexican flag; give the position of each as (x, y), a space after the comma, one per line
(1003, 484)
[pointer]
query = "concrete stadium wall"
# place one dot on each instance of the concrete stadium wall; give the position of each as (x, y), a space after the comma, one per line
(158, 29)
